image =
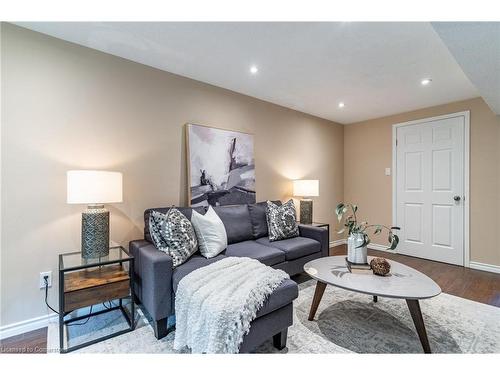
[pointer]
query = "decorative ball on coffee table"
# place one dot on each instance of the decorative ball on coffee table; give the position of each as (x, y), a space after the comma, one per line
(380, 266)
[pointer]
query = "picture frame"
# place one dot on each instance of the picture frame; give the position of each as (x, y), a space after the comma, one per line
(220, 166)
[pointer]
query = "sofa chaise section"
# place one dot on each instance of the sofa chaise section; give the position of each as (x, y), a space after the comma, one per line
(156, 280)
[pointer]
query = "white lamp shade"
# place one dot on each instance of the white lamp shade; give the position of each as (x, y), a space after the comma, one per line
(306, 188)
(90, 187)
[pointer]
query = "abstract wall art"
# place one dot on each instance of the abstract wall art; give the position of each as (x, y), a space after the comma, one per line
(221, 166)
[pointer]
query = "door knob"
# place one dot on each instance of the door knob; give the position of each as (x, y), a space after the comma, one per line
(457, 198)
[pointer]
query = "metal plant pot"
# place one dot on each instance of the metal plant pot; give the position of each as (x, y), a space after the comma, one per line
(356, 254)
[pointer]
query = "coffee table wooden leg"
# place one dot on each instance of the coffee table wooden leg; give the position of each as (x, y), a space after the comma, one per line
(318, 294)
(416, 315)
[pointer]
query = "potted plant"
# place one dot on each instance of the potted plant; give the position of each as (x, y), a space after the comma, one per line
(358, 238)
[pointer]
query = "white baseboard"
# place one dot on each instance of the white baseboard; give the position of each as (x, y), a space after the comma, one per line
(25, 326)
(372, 246)
(375, 246)
(484, 267)
(338, 242)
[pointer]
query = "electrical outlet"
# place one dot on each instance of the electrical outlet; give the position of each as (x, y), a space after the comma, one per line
(388, 171)
(42, 279)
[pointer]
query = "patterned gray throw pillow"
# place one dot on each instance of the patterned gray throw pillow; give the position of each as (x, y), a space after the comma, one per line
(281, 221)
(173, 234)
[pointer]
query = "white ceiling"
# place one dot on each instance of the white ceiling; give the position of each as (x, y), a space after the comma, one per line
(476, 48)
(374, 68)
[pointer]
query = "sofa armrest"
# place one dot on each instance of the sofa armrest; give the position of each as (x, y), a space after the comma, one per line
(153, 278)
(319, 234)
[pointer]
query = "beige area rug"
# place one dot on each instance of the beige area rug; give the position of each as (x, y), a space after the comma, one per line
(345, 322)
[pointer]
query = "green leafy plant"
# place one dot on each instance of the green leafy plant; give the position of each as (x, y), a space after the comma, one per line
(346, 213)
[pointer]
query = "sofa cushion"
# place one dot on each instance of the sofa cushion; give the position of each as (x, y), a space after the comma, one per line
(281, 221)
(258, 218)
(251, 249)
(186, 211)
(284, 294)
(195, 262)
(281, 296)
(211, 233)
(237, 221)
(293, 248)
(173, 234)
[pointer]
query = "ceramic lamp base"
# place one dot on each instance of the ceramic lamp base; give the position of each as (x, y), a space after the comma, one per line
(95, 232)
(306, 211)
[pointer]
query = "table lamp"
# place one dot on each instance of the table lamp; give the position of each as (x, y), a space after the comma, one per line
(306, 189)
(94, 188)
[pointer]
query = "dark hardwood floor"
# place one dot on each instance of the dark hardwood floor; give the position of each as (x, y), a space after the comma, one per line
(463, 282)
(34, 342)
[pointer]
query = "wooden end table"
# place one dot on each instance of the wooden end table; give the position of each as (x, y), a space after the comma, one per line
(88, 282)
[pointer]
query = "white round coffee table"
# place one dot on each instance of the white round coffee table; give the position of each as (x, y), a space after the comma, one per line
(403, 282)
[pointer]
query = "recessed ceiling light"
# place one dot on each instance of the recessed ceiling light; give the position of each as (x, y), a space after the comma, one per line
(341, 105)
(254, 69)
(426, 81)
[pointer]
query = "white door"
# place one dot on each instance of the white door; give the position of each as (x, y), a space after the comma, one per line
(430, 188)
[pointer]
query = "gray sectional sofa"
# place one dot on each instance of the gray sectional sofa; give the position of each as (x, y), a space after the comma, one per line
(246, 226)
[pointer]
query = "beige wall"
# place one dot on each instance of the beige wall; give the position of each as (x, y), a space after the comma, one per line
(68, 107)
(368, 151)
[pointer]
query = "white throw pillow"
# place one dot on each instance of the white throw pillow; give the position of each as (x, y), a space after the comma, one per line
(211, 233)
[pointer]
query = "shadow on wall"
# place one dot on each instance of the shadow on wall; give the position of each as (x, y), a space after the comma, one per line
(50, 166)
(122, 228)
(183, 180)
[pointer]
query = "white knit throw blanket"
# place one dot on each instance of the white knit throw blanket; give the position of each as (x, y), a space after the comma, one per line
(215, 304)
